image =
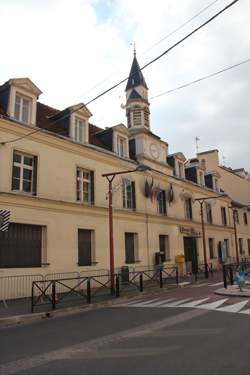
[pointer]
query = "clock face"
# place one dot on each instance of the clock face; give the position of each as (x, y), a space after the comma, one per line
(154, 151)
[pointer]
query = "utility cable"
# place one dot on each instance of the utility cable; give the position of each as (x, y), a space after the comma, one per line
(138, 70)
(200, 79)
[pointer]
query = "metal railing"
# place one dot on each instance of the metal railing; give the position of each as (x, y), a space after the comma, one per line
(19, 286)
(229, 270)
(89, 288)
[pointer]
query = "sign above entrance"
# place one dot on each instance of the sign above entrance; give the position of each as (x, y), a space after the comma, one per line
(189, 231)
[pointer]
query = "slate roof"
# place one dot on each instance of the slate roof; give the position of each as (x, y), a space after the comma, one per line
(134, 95)
(135, 76)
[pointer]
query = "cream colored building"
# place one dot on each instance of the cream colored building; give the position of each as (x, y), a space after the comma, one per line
(51, 165)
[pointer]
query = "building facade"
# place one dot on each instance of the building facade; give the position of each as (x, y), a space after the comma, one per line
(51, 164)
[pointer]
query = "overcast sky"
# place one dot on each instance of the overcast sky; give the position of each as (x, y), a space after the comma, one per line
(74, 49)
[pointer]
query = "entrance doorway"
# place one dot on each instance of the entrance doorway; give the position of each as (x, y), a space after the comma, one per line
(190, 252)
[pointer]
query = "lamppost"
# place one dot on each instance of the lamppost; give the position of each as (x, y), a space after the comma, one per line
(201, 202)
(110, 177)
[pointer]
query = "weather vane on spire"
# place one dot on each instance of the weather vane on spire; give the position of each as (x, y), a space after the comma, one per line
(133, 44)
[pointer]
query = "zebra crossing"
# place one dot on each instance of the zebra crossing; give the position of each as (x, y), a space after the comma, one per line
(207, 303)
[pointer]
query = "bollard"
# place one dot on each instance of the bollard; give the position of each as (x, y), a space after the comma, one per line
(53, 295)
(160, 276)
(117, 286)
(141, 282)
(88, 291)
(32, 297)
(231, 276)
(177, 276)
(224, 276)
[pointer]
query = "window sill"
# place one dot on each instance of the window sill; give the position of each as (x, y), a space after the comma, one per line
(136, 261)
(87, 265)
(25, 193)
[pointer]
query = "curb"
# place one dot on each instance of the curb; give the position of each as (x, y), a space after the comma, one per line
(32, 317)
(232, 293)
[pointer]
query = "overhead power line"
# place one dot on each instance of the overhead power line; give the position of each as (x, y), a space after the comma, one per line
(125, 79)
(155, 44)
(200, 79)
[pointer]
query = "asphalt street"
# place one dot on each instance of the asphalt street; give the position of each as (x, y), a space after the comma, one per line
(157, 335)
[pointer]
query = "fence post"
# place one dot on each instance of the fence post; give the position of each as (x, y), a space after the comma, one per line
(117, 286)
(141, 282)
(224, 276)
(177, 275)
(32, 297)
(160, 276)
(53, 294)
(88, 291)
(231, 276)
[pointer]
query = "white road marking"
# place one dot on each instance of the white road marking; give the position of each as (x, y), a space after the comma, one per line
(217, 284)
(176, 303)
(184, 283)
(193, 303)
(212, 305)
(233, 308)
(153, 304)
(245, 312)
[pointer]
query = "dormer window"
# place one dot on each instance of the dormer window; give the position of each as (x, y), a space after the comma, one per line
(121, 147)
(22, 108)
(79, 130)
(201, 176)
(180, 170)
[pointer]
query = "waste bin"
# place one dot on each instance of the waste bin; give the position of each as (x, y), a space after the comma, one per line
(125, 274)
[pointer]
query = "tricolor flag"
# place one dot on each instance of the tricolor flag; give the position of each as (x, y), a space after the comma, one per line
(4, 220)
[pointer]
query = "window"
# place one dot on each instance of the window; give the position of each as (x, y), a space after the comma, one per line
(248, 245)
(209, 213)
(241, 246)
(129, 194)
(245, 218)
(85, 186)
(188, 208)
(137, 120)
(79, 130)
(164, 247)
(211, 248)
(226, 246)
(223, 216)
(85, 247)
(21, 246)
(236, 215)
(121, 147)
(131, 248)
(161, 202)
(24, 173)
(22, 108)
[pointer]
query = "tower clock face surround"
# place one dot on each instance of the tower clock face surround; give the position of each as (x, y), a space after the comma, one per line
(154, 151)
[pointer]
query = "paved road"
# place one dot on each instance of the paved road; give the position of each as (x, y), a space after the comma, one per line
(160, 335)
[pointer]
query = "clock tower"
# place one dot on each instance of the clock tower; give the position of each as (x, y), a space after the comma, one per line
(145, 144)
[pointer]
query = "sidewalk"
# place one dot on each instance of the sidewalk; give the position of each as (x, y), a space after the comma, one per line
(234, 291)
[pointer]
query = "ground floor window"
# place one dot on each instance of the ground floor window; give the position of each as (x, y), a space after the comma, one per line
(164, 247)
(211, 248)
(86, 247)
(248, 245)
(21, 246)
(131, 247)
(241, 246)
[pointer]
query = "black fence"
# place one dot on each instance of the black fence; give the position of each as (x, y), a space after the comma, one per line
(66, 291)
(204, 271)
(229, 270)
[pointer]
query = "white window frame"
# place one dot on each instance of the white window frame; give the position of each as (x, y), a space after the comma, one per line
(80, 194)
(23, 166)
(19, 116)
(79, 133)
(127, 195)
(121, 146)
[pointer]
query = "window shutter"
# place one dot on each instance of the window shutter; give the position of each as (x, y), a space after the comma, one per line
(84, 247)
(133, 195)
(92, 188)
(164, 202)
(34, 183)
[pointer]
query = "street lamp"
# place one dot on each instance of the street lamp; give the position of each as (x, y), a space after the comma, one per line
(201, 201)
(110, 177)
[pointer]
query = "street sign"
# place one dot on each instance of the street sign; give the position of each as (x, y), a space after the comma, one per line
(4, 220)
